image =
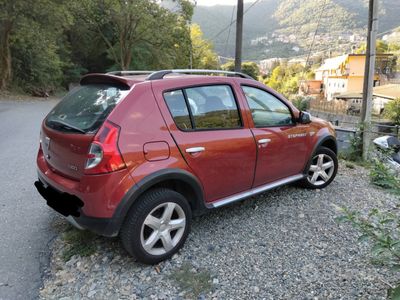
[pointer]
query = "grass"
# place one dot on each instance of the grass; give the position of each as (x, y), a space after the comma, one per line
(192, 282)
(78, 242)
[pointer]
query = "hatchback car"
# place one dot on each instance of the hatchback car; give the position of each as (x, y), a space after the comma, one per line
(137, 154)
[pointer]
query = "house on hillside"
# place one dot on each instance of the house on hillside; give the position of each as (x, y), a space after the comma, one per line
(311, 88)
(345, 73)
(382, 95)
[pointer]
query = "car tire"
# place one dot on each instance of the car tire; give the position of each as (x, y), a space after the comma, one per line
(157, 226)
(321, 169)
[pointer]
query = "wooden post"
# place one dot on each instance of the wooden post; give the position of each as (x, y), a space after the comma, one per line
(239, 36)
(369, 74)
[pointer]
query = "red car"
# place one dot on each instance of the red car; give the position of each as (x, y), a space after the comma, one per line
(137, 154)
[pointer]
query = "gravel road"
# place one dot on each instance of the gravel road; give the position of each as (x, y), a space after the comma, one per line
(284, 244)
(26, 222)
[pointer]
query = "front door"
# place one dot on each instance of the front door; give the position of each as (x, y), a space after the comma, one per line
(281, 144)
(208, 129)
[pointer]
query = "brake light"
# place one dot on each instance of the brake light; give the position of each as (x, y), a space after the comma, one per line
(40, 144)
(104, 155)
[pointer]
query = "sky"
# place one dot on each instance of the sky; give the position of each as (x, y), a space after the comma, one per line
(221, 2)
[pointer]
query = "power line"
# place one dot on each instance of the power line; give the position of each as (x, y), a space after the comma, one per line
(229, 32)
(387, 31)
(234, 21)
(315, 32)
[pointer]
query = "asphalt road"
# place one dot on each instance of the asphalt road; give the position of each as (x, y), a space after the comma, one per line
(25, 220)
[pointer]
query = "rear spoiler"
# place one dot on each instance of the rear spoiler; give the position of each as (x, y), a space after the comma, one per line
(97, 78)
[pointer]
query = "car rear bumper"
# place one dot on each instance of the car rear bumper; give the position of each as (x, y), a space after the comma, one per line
(70, 207)
(93, 202)
(100, 194)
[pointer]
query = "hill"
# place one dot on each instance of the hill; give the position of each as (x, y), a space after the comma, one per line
(284, 28)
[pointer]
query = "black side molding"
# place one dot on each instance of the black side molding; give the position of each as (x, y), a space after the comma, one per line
(70, 205)
(151, 180)
(322, 140)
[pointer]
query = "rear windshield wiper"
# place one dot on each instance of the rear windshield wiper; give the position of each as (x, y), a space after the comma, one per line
(64, 125)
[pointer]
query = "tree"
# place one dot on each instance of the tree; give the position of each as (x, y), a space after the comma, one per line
(286, 78)
(250, 68)
(6, 26)
(381, 47)
(203, 55)
(48, 43)
(29, 32)
(138, 30)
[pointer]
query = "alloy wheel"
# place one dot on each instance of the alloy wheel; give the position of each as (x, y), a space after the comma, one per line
(163, 228)
(321, 169)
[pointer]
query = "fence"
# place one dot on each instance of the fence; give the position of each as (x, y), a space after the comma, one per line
(334, 106)
(345, 134)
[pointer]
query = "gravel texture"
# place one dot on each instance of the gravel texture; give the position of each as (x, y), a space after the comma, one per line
(284, 244)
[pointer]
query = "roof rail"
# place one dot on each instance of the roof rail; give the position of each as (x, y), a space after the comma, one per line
(162, 73)
(127, 73)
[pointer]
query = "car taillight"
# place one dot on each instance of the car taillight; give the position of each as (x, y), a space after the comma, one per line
(104, 155)
(40, 144)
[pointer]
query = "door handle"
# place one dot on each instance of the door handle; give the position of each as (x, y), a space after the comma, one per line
(264, 141)
(195, 149)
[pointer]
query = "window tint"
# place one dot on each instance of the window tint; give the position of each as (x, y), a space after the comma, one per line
(85, 108)
(177, 106)
(266, 109)
(213, 107)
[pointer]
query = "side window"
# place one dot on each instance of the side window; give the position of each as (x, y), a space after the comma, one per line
(210, 107)
(213, 107)
(266, 109)
(177, 106)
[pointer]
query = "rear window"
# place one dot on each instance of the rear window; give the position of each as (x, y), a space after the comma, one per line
(85, 108)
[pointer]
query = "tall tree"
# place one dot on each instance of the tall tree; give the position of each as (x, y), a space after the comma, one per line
(129, 26)
(29, 33)
(203, 53)
(9, 11)
(250, 68)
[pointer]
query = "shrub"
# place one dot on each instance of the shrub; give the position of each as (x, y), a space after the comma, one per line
(302, 103)
(381, 229)
(382, 176)
(392, 111)
(354, 153)
(250, 68)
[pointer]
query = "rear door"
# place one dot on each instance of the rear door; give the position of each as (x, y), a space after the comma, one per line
(207, 126)
(281, 143)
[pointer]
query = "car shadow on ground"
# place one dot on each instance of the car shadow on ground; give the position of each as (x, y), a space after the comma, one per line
(84, 243)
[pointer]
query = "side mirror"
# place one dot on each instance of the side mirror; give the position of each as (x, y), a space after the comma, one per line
(304, 118)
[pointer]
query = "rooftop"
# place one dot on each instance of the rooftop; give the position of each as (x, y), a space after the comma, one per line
(389, 91)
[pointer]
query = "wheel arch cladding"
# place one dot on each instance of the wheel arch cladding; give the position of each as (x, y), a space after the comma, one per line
(178, 180)
(328, 142)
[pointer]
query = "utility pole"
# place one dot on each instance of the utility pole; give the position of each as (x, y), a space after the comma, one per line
(239, 36)
(369, 74)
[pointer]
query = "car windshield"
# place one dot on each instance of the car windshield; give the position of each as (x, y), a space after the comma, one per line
(85, 108)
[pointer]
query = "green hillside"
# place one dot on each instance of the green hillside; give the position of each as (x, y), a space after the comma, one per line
(293, 18)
